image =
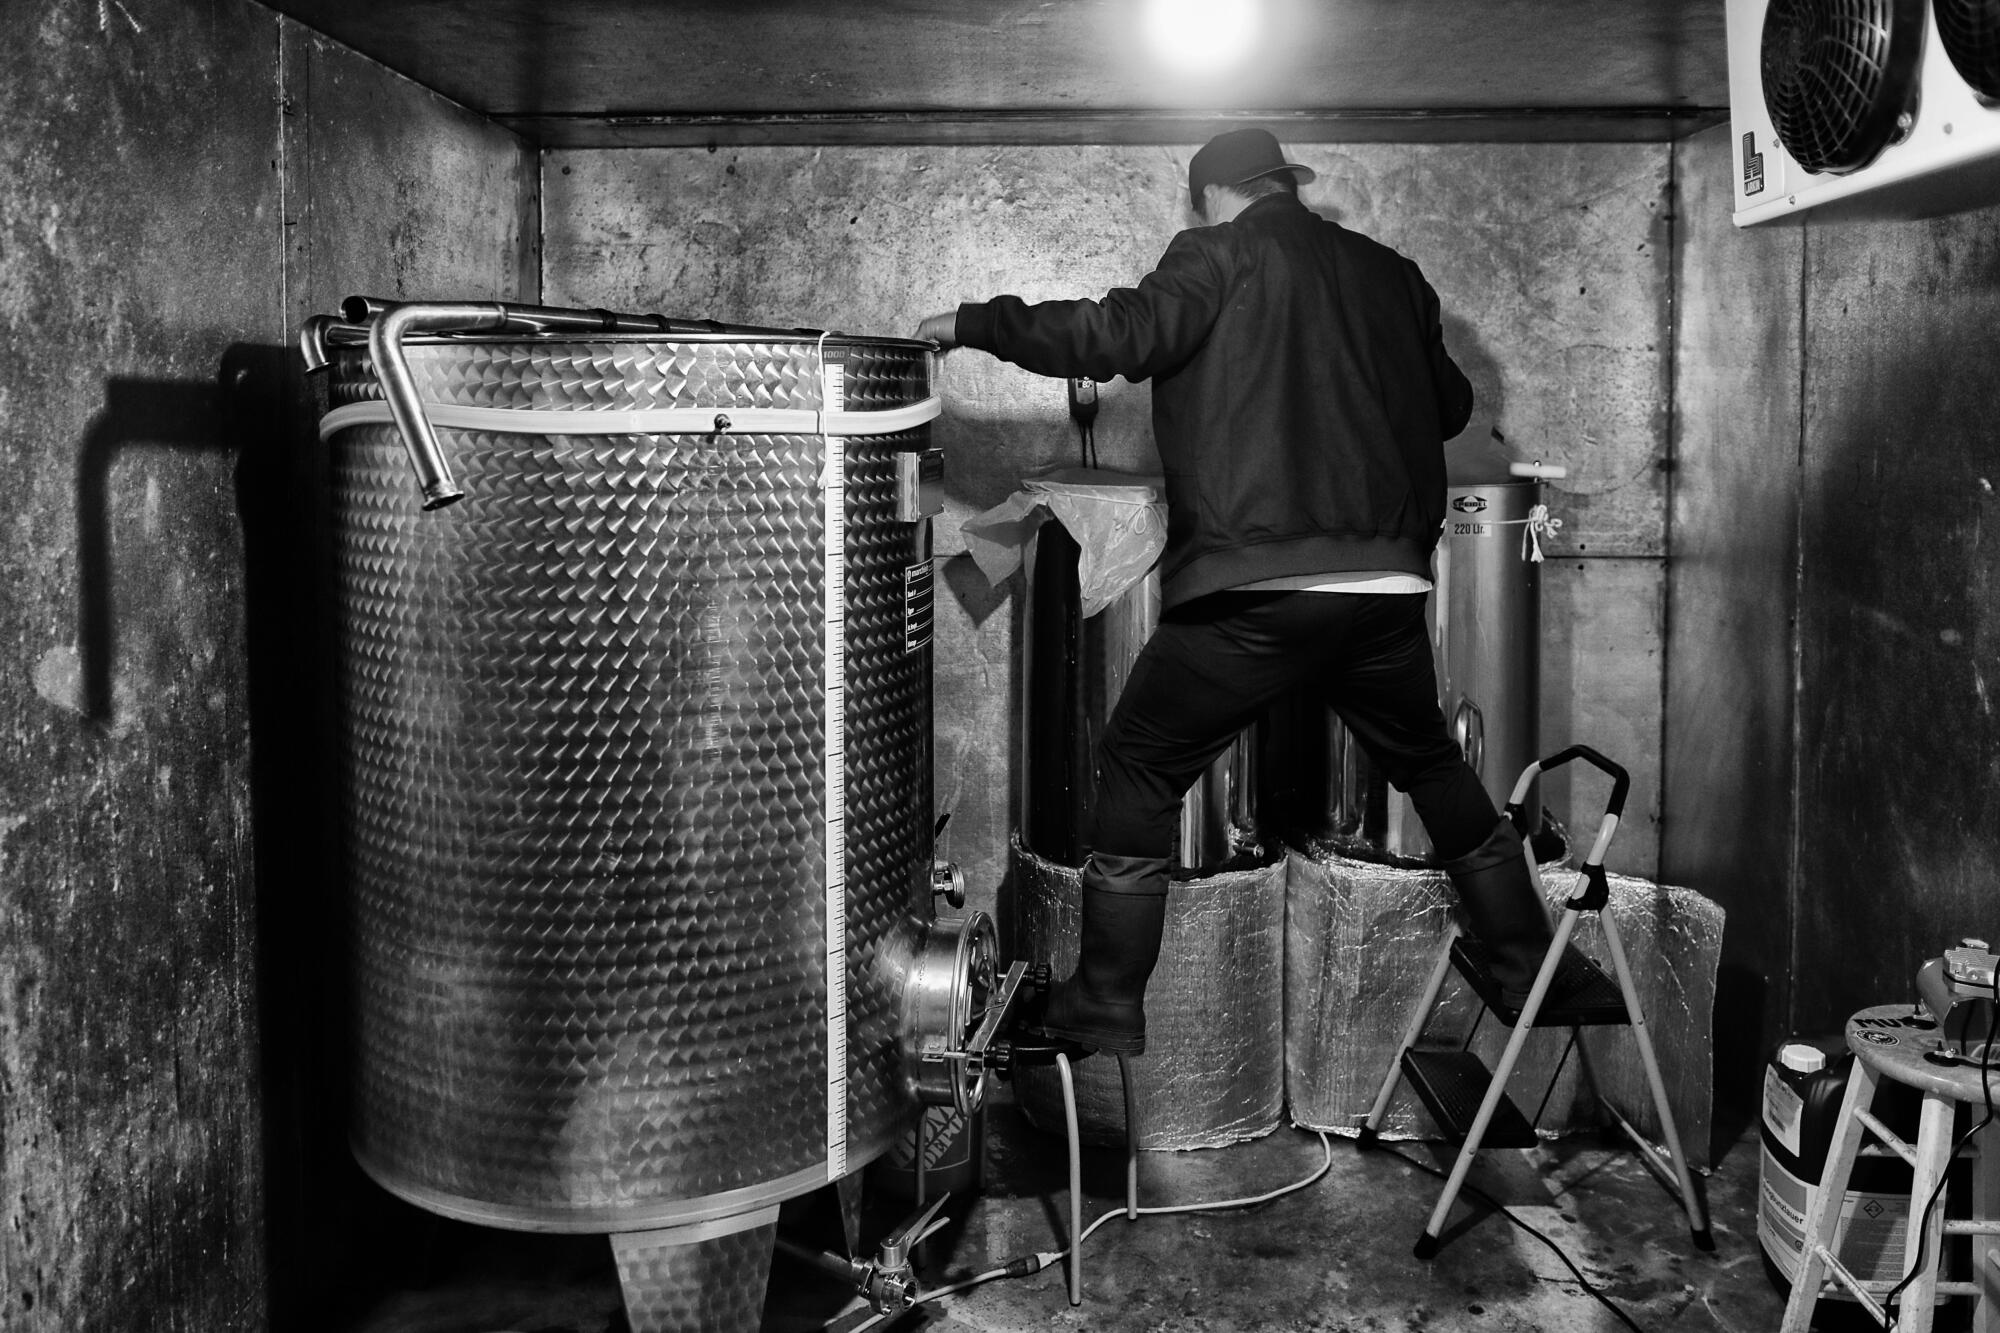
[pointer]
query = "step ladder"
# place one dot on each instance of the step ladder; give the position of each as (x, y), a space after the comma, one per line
(1472, 1106)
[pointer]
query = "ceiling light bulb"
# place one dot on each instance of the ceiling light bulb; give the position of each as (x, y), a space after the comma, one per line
(1201, 36)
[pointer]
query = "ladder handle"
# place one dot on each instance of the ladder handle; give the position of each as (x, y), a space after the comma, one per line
(1621, 781)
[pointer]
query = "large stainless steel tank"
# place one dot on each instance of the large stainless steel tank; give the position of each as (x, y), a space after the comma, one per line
(637, 772)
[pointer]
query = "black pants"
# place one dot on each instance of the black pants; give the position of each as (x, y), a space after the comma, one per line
(1213, 666)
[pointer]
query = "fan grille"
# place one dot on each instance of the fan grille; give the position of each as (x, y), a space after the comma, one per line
(1970, 31)
(1837, 74)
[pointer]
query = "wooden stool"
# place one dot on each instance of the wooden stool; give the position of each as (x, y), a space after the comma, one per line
(1890, 1041)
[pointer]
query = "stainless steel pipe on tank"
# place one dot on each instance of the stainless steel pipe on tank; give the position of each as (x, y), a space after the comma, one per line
(385, 347)
(384, 324)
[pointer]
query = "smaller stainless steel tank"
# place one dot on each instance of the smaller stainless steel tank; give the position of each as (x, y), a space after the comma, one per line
(1316, 783)
(1074, 669)
(1489, 630)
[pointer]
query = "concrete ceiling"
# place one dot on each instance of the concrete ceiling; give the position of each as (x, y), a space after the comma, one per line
(566, 73)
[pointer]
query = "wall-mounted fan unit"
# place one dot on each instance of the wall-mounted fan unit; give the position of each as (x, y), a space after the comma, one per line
(1878, 108)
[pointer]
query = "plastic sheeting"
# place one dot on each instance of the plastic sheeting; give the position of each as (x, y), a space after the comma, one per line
(1117, 519)
(1361, 938)
(1213, 1072)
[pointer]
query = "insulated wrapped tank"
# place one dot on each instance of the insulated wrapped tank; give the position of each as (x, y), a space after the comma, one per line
(1361, 938)
(1214, 1069)
(636, 772)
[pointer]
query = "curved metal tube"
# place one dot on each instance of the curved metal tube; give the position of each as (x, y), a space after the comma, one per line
(387, 322)
(361, 309)
(313, 341)
(399, 388)
(532, 319)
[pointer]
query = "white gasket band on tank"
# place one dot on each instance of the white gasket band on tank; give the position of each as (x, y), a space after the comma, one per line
(649, 421)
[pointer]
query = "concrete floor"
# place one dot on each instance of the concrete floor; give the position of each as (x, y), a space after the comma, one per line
(1334, 1258)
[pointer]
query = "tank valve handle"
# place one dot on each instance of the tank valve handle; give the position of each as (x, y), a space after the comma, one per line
(1083, 411)
(948, 882)
(890, 1283)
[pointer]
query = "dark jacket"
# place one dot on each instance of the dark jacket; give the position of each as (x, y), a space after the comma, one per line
(1301, 394)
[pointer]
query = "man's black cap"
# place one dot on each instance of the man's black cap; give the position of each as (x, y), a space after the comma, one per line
(1238, 156)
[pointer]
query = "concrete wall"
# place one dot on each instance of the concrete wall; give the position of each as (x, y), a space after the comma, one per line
(1551, 261)
(1729, 828)
(180, 181)
(1833, 755)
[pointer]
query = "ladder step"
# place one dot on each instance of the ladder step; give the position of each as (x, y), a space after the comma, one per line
(1581, 995)
(1451, 1085)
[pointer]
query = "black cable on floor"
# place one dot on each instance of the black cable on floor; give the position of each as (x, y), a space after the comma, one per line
(1502, 1209)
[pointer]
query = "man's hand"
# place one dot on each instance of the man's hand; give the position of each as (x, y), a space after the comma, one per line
(940, 329)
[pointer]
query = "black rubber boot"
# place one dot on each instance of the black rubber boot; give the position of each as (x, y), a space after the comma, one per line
(1124, 915)
(1503, 909)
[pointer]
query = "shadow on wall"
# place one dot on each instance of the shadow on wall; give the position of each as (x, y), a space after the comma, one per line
(156, 414)
(310, 1189)
(1898, 736)
(1477, 454)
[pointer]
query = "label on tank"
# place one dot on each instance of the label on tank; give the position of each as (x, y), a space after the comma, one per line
(1466, 525)
(1868, 1238)
(1783, 1110)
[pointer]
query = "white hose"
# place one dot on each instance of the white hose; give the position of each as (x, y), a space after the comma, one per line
(1042, 1259)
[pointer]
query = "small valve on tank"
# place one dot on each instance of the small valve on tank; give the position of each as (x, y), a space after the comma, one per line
(948, 882)
(888, 1282)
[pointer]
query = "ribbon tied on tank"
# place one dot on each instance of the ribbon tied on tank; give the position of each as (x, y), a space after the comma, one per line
(1534, 527)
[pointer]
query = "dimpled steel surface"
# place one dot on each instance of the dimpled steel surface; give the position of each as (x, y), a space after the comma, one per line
(584, 721)
(710, 1286)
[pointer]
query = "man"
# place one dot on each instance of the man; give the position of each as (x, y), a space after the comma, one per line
(1302, 395)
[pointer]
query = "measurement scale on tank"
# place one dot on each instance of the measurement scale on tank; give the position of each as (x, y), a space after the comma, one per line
(833, 377)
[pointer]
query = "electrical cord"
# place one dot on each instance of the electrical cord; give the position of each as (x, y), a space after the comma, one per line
(1504, 1211)
(1986, 1067)
(1029, 1264)
(1218, 1205)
